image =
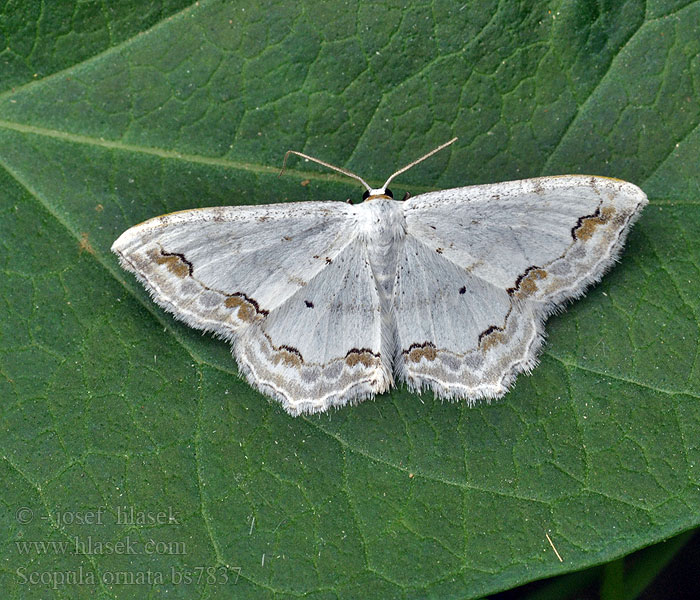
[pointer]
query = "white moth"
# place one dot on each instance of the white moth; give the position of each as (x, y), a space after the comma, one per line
(329, 303)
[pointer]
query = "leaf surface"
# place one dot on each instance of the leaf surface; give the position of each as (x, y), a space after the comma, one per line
(112, 115)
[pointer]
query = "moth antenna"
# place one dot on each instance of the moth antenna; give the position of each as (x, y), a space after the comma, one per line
(421, 159)
(325, 164)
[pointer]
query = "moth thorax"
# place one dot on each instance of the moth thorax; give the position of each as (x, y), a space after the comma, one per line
(383, 227)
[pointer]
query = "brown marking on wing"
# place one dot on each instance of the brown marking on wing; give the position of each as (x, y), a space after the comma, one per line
(494, 334)
(526, 284)
(176, 263)
(289, 356)
(361, 356)
(425, 350)
(490, 337)
(586, 226)
(248, 309)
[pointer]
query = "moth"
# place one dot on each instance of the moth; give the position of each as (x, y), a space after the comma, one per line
(330, 303)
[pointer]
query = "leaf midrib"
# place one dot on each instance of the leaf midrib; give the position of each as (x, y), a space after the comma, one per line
(174, 155)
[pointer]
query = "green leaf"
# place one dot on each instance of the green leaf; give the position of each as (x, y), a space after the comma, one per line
(113, 114)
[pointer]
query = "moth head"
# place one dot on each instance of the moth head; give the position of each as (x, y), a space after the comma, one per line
(372, 194)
